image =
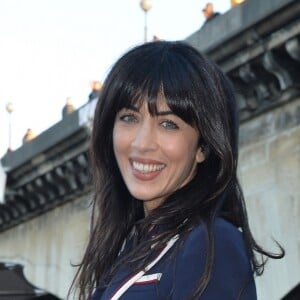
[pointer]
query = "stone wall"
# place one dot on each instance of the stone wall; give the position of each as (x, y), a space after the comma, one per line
(48, 244)
(270, 172)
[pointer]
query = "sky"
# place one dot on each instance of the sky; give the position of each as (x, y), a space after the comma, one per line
(52, 49)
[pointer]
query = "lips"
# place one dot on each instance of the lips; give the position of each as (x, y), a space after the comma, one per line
(146, 169)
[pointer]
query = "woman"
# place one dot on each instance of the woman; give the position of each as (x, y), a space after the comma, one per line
(169, 218)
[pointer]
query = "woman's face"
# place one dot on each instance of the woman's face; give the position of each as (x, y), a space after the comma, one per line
(156, 155)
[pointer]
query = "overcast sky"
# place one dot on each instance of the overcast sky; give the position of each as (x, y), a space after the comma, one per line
(52, 49)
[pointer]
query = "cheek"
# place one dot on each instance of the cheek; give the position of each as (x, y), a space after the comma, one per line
(181, 152)
(177, 151)
(121, 143)
(118, 141)
(185, 142)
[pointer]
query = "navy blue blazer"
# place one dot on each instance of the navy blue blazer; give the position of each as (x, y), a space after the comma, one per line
(231, 273)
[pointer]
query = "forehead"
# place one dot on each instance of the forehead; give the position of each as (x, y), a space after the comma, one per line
(161, 108)
(160, 104)
(151, 104)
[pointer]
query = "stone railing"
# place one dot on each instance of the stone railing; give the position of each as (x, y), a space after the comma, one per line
(260, 55)
(47, 171)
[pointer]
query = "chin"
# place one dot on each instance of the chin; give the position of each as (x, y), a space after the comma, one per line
(144, 196)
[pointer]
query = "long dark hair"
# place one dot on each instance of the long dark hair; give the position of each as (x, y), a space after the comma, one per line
(198, 92)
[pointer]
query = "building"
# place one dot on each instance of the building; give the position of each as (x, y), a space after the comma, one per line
(44, 220)
(258, 45)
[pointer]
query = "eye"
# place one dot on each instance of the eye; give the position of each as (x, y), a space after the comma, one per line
(168, 124)
(128, 118)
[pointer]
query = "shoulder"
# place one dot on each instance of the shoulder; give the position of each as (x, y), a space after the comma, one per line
(228, 243)
(224, 233)
(219, 225)
(230, 261)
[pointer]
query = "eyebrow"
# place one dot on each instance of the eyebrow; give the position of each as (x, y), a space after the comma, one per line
(159, 113)
(165, 113)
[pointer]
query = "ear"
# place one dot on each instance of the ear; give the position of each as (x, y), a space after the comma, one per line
(200, 157)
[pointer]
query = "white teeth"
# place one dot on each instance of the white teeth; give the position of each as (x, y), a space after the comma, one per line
(146, 168)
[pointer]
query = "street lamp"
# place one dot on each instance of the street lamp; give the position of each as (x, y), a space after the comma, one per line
(145, 5)
(236, 2)
(9, 108)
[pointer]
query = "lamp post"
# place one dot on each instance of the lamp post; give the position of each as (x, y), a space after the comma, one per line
(236, 2)
(9, 108)
(145, 5)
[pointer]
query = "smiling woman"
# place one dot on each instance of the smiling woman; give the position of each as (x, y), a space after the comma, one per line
(156, 155)
(169, 217)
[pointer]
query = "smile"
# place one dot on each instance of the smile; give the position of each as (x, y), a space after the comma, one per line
(147, 168)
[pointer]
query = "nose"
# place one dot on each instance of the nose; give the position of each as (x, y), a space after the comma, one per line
(145, 138)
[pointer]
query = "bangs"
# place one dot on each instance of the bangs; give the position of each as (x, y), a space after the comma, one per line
(153, 80)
